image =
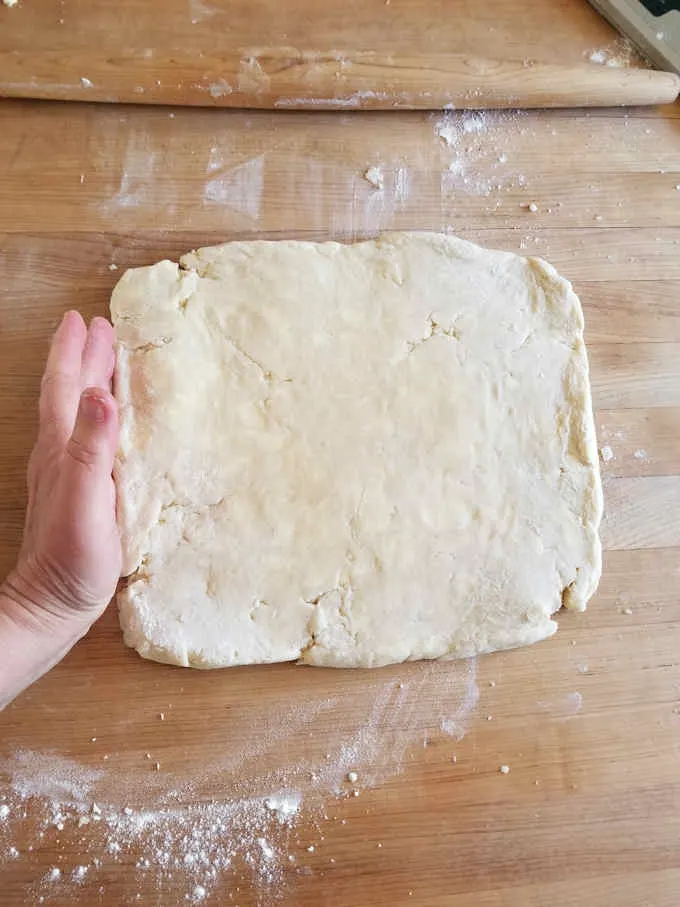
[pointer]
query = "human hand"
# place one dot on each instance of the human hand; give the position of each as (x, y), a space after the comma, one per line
(70, 560)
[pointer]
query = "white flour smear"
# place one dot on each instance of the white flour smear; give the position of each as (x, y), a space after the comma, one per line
(283, 768)
(239, 188)
(620, 53)
(199, 11)
(476, 145)
(220, 89)
(375, 200)
(251, 76)
(216, 161)
(137, 175)
(564, 706)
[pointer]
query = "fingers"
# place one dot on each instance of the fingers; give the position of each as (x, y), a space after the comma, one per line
(91, 449)
(78, 358)
(61, 385)
(66, 351)
(98, 358)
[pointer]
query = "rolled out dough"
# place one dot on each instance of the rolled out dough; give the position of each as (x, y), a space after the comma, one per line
(352, 455)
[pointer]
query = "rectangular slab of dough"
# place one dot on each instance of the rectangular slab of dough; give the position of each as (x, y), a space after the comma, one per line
(352, 455)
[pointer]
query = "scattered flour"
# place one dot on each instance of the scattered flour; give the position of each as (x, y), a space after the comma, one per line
(244, 813)
(606, 453)
(453, 127)
(621, 52)
(220, 89)
(50, 776)
(284, 805)
(475, 144)
(375, 176)
(10, 2)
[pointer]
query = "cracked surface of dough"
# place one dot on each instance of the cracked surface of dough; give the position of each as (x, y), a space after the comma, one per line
(351, 454)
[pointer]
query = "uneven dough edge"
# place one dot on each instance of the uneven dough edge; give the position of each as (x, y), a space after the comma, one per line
(163, 277)
(575, 595)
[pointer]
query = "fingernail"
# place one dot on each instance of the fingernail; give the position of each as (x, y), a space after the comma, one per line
(93, 408)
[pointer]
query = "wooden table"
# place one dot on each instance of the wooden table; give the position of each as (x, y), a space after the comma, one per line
(135, 49)
(587, 722)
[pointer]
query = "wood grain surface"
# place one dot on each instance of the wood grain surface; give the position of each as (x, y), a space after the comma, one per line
(588, 722)
(289, 79)
(564, 32)
(378, 53)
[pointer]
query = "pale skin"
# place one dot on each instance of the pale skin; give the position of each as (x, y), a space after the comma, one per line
(70, 559)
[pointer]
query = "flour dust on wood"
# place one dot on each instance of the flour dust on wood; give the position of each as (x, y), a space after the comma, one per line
(260, 810)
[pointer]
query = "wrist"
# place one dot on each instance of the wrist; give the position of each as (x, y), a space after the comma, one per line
(25, 601)
(32, 640)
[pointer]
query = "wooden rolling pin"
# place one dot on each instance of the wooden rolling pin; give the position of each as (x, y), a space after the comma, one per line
(292, 80)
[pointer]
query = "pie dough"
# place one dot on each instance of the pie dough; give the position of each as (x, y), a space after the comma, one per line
(352, 455)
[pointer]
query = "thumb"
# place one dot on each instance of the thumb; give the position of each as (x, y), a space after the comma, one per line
(92, 446)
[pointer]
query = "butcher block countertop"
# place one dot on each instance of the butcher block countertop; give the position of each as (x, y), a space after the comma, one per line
(123, 781)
